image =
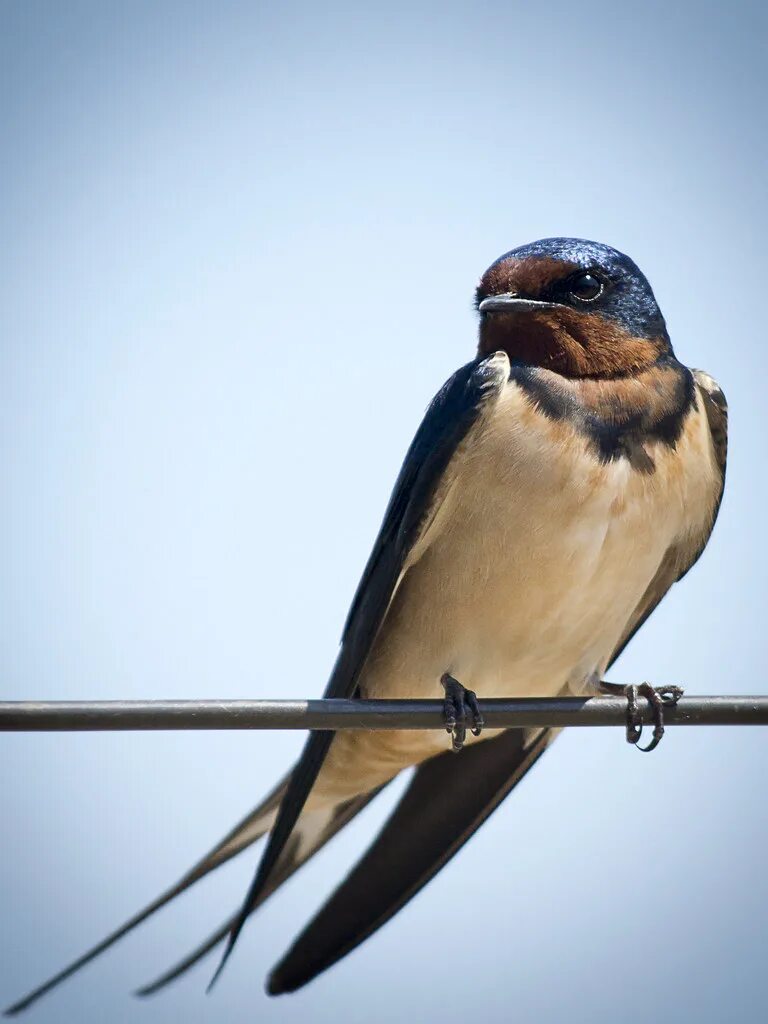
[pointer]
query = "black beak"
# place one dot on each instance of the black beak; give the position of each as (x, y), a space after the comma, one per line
(510, 302)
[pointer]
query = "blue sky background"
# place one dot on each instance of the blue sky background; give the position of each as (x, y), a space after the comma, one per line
(240, 243)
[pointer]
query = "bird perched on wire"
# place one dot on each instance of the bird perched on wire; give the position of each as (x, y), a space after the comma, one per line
(557, 487)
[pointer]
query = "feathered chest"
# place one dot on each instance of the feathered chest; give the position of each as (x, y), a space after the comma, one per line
(538, 489)
(540, 548)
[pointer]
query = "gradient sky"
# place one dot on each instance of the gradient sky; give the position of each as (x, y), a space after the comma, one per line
(240, 243)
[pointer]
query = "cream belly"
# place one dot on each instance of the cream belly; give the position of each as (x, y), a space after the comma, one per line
(529, 571)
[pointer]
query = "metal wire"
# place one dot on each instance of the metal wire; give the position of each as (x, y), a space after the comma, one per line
(149, 715)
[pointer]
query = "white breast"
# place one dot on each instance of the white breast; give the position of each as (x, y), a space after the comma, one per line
(536, 558)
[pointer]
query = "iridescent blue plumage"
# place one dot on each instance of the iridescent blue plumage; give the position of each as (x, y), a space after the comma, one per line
(629, 299)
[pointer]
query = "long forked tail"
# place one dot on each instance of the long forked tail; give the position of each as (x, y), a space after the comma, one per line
(315, 829)
(448, 798)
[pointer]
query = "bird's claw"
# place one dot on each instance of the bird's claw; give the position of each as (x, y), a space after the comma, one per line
(459, 707)
(659, 698)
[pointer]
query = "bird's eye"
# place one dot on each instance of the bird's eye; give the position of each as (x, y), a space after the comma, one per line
(586, 287)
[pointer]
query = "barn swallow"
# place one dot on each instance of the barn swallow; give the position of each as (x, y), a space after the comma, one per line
(557, 487)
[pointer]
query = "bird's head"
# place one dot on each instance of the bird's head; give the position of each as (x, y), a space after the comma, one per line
(578, 308)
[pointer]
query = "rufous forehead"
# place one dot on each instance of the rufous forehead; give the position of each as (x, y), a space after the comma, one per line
(527, 276)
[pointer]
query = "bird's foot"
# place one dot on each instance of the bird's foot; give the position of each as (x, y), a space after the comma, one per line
(658, 697)
(459, 707)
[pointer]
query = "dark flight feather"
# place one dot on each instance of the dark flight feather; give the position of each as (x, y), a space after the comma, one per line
(446, 802)
(452, 413)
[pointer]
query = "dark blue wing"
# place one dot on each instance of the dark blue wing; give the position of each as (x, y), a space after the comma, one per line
(453, 411)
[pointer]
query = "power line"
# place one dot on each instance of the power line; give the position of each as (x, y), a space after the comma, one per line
(151, 715)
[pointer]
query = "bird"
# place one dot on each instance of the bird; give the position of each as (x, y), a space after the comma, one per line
(559, 484)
